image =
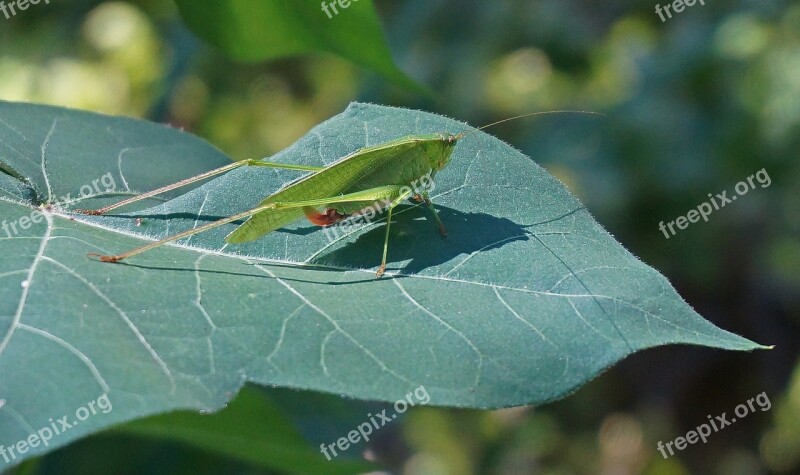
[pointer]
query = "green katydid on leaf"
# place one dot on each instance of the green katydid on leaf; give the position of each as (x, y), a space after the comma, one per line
(526, 300)
(380, 176)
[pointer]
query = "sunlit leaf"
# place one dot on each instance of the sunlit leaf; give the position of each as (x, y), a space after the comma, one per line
(527, 299)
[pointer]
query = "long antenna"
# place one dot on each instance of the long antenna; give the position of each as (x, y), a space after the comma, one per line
(542, 113)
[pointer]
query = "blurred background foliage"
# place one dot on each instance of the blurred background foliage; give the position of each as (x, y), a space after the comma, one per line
(694, 105)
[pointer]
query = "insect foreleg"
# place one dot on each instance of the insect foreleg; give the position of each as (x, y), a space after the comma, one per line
(435, 213)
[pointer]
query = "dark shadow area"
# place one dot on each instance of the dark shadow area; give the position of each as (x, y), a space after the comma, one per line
(414, 235)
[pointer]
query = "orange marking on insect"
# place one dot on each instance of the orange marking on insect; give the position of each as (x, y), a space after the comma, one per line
(330, 216)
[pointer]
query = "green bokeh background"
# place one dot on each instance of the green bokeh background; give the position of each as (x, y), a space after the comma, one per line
(694, 105)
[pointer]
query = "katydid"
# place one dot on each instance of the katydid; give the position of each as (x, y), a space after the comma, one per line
(378, 177)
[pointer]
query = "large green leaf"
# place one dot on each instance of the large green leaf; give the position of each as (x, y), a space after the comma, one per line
(525, 301)
(257, 30)
(251, 429)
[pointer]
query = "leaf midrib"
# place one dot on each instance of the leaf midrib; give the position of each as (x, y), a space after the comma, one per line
(346, 270)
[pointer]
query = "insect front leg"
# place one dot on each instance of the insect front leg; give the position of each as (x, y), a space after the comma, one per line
(435, 213)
